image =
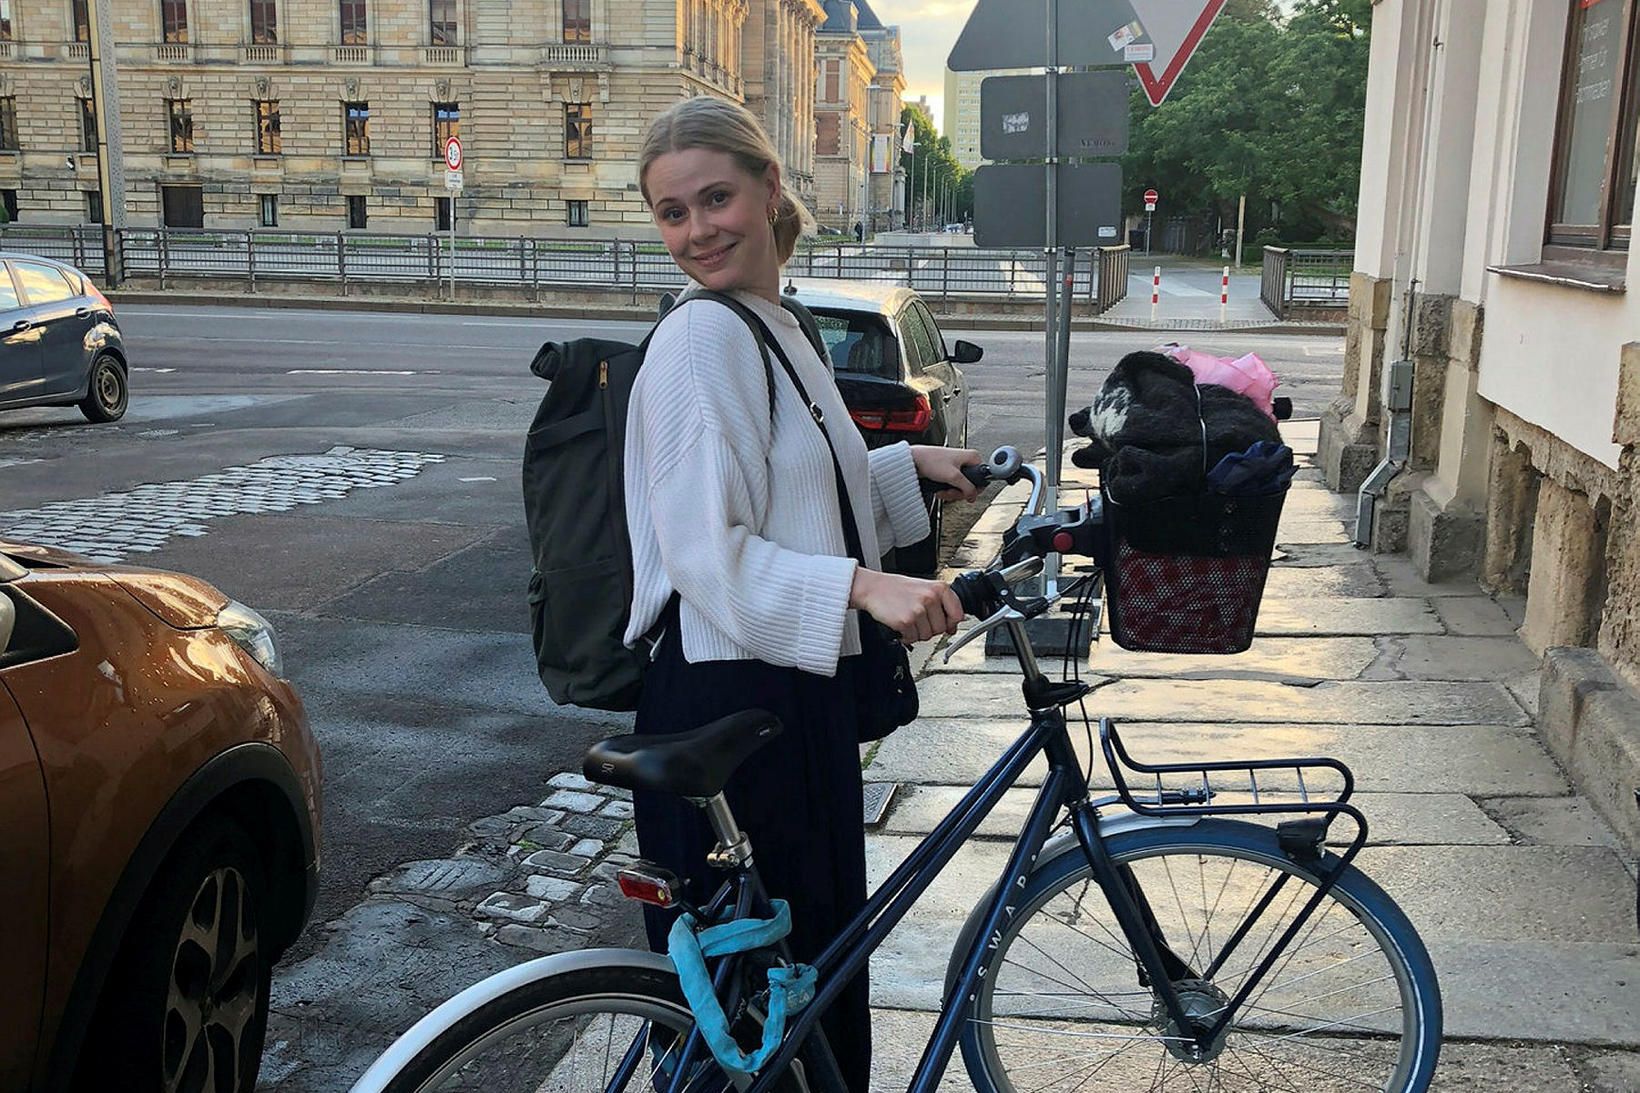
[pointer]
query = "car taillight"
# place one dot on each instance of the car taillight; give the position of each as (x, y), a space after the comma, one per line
(102, 301)
(911, 419)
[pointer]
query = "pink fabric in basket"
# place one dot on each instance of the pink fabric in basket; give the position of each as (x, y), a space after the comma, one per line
(1246, 375)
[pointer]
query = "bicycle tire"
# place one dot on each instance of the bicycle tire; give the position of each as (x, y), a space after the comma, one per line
(517, 1040)
(1070, 936)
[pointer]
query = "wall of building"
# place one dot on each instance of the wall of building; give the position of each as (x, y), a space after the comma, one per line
(511, 74)
(1523, 467)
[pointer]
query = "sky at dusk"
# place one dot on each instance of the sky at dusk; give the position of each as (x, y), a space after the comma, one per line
(928, 28)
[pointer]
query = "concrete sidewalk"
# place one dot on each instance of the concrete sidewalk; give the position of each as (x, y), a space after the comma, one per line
(1516, 887)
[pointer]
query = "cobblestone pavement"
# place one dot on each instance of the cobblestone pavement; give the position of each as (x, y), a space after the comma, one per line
(110, 526)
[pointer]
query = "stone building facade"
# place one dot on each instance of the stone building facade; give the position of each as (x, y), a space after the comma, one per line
(886, 196)
(1493, 255)
(779, 67)
(329, 114)
(844, 77)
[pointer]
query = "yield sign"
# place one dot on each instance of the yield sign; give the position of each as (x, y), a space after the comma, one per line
(1176, 28)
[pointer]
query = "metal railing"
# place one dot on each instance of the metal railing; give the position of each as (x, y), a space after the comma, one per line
(1297, 279)
(175, 254)
(1112, 279)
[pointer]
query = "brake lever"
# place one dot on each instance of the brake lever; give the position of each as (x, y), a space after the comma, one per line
(1002, 615)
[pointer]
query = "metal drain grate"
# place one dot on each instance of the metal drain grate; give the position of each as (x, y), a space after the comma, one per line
(878, 795)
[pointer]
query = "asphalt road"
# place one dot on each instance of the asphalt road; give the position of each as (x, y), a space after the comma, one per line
(401, 607)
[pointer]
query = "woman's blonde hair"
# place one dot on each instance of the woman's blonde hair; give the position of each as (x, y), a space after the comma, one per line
(724, 126)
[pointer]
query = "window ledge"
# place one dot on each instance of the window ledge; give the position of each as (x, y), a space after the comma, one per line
(1588, 276)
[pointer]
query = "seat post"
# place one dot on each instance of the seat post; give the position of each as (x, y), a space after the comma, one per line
(733, 849)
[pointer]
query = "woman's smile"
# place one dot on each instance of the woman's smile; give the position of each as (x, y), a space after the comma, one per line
(712, 259)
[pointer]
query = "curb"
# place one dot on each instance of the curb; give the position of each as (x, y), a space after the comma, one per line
(1590, 721)
(400, 306)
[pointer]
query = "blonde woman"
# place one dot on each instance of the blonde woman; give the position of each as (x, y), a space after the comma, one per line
(739, 549)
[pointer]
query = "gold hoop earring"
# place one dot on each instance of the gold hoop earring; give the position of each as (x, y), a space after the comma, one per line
(774, 216)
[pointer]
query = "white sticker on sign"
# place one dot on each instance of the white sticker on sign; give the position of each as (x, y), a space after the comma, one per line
(1139, 53)
(1016, 123)
(1121, 36)
(1107, 233)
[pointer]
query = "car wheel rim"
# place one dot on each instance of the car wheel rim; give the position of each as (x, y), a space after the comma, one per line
(215, 978)
(108, 387)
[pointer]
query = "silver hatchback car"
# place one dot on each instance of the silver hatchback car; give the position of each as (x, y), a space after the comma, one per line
(59, 342)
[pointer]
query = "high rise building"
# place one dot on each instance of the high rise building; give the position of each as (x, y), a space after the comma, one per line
(962, 112)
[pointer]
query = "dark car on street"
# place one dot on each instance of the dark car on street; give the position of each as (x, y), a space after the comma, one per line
(59, 342)
(159, 828)
(896, 375)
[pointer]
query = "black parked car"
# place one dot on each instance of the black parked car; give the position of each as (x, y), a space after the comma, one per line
(59, 343)
(897, 377)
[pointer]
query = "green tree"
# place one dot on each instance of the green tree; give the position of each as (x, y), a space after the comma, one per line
(1271, 106)
(933, 155)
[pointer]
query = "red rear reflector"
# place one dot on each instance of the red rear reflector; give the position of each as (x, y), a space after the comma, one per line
(646, 888)
(912, 420)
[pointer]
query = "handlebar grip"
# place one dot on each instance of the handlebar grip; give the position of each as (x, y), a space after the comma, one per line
(974, 595)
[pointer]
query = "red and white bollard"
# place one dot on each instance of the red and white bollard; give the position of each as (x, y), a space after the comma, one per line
(1155, 292)
(1224, 293)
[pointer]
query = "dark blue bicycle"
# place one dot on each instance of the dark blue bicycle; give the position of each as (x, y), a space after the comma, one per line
(1205, 929)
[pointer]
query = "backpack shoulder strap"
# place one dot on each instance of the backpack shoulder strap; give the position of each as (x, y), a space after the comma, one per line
(811, 328)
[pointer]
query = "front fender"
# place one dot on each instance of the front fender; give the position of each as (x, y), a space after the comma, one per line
(421, 1034)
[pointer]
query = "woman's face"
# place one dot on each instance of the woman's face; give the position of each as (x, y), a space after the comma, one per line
(714, 218)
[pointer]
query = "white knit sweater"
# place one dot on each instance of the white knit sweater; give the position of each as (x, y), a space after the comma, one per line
(741, 520)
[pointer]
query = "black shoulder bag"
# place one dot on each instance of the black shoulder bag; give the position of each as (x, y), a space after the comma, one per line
(887, 693)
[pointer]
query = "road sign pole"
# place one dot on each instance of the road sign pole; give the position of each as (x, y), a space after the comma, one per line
(1224, 293)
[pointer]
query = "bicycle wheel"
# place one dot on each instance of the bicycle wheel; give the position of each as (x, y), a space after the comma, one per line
(1350, 1004)
(573, 1031)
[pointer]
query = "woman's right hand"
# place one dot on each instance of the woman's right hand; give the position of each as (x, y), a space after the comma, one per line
(916, 609)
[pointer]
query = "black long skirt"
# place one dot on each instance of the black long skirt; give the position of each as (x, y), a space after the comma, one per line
(798, 799)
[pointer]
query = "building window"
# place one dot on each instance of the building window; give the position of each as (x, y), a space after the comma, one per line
(93, 207)
(173, 18)
(264, 22)
(182, 126)
(441, 22)
(832, 91)
(82, 20)
(356, 217)
(8, 124)
(270, 210)
(8, 206)
(354, 29)
(446, 124)
(577, 130)
(269, 142)
(182, 206)
(356, 128)
(5, 21)
(577, 20)
(441, 214)
(1592, 193)
(577, 214)
(88, 126)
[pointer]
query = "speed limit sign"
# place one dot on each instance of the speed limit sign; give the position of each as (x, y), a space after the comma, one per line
(452, 153)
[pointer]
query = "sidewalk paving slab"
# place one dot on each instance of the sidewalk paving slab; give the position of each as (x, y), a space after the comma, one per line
(1392, 818)
(1294, 658)
(1476, 760)
(1399, 702)
(1347, 615)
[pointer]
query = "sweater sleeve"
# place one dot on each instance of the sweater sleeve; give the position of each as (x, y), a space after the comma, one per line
(896, 498)
(705, 471)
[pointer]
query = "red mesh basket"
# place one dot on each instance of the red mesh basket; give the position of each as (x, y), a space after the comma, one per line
(1186, 574)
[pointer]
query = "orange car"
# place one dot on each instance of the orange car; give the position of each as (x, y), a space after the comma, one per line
(159, 827)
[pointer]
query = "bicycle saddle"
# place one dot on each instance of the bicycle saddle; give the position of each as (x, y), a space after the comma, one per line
(696, 763)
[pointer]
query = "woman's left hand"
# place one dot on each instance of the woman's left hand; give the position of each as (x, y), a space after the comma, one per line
(944, 466)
